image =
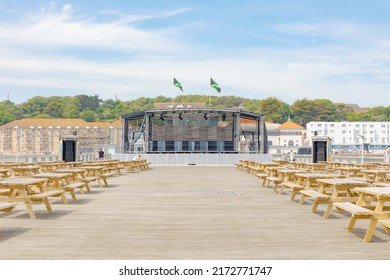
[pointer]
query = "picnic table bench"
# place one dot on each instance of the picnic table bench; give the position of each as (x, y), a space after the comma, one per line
(385, 224)
(340, 192)
(20, 190)
(7, 206)
(374, 213)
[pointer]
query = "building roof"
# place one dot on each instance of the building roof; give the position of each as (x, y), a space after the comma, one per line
(290, 125)
(63, 123)
(356, 108)
(179, 105)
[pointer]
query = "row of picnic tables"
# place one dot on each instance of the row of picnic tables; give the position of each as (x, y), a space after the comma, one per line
(361, 190)
(29, 183)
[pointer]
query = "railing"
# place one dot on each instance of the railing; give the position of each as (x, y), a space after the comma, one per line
(335, 158)
(196, 159)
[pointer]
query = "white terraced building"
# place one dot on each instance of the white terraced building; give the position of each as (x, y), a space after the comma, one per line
(353, 134)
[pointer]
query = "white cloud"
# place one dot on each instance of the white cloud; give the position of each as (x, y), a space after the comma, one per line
(60, 29)
(32, 56)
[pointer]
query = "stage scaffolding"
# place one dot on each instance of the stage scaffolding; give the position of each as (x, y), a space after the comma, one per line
(194, 130)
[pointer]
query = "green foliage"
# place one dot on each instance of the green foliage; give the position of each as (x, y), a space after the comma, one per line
(88, 116)
(92, 108)
(274, 110)
(5, 117)
(88, 102)
(55, 109)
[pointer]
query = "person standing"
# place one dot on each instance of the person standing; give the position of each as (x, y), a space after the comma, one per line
(101, 154)
(387, 155)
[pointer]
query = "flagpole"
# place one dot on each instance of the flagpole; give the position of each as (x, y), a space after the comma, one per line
(209, 93)
(172, 95)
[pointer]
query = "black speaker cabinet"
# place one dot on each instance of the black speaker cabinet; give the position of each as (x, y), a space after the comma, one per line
(321, 147)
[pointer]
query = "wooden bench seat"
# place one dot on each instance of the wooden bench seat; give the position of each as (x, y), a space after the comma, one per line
(71, 187)
(104, 177)
(4, 192)
(368, 180)
(262, 176)
(318, 198)
(385, 224)
(313, 194)
(46, 194)
(275, 180)
(291, 185)
(88, 180)
(7, 206)
(144, 166)
(353, 209)
(358, 212)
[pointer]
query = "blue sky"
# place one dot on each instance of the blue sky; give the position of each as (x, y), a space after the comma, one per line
(339, 50)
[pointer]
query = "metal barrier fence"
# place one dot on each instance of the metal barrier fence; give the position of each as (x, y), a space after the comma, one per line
(196, 159)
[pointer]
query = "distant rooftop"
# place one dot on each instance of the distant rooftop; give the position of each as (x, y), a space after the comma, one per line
(63, 123)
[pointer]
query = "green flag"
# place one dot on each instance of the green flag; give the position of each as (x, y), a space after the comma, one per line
(214, 85)
(177, 84)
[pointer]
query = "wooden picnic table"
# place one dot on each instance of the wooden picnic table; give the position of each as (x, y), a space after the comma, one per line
(378, 175)
(60, 180)
(143, 165)
(21, 190)
(306, 181)
(4, 172)
(49, 166)
(77, 173)
(382, 195)
(282, 175)
(348, 171)
(288, 174)
(94, 170)
(281, 161)
(57, 179)
(331, 191)
(26, 170)
(14, 164)
(385, 165)
(316, 166)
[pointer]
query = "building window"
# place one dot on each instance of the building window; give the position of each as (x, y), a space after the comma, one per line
(291, 143)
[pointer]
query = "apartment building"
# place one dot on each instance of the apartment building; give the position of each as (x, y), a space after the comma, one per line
(352, 134)
(42, 136)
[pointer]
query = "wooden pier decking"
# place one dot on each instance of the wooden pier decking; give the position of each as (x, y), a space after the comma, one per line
(190, 212)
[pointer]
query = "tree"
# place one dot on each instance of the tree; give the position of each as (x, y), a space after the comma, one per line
(323, 110)
(88, 102)
(303, 111)
(72, 112)
(55, 109)
(34, 106)
(274, 110)
(6, 117)
(88, 116)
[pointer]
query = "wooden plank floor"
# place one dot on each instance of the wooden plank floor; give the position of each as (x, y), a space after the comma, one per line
(184, 213)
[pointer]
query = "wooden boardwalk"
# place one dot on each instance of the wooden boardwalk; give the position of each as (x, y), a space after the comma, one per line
(189, 212)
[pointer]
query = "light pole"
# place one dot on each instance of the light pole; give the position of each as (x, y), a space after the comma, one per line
(17, 147)
(362, 147)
